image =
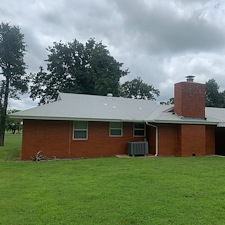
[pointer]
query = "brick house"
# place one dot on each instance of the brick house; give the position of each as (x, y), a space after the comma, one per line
(78, 125)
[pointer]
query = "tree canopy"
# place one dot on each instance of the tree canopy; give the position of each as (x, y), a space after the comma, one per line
(77, 68)
(138, 89)
(214, 98)
(12, 67)
(13, 124)
(169, 102)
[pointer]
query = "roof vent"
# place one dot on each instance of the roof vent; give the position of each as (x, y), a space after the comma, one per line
(190, 78)
(109, 95)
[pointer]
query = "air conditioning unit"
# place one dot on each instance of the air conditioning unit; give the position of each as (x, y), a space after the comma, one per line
(137, 148)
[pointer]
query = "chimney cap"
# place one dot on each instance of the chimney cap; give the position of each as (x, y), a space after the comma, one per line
(190, 78)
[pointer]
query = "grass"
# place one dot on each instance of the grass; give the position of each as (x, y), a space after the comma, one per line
(11, 149)
(114, 191)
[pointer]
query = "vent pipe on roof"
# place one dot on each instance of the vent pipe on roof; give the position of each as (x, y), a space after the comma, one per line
(190, 78)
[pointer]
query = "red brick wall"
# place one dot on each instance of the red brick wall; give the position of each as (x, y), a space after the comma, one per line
(54, 138)
(210, 140)
(189, 99)
(99, 142)
(192, 140)
(51, 137)
(183, 140)
(151, 134)
(167, 139)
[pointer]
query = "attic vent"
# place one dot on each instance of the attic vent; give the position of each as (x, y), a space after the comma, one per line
(109, 95)
(137, 148)
(190, 78)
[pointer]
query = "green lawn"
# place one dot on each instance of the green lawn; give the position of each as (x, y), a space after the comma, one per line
(11, 149)
(114, 191)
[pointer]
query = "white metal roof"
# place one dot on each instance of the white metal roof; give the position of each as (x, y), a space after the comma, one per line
(91, 107)
(103, 108)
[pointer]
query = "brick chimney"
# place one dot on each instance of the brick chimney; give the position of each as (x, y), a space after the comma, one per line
(189, 99)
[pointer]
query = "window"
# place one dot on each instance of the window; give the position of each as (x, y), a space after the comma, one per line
(139, 129)
(80, 130)
(116, 129)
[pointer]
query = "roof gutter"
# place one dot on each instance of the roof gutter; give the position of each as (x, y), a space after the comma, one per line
(156, 138)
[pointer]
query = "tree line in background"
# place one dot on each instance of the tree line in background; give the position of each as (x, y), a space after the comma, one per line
(72, 67)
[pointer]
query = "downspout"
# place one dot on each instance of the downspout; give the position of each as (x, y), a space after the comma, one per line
(156, 138)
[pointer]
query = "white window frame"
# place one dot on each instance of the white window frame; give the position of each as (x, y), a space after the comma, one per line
(136, 129)
(111, 128)
(77, 129)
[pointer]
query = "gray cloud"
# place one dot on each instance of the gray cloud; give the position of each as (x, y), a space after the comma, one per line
(161, 41)
(170, 29)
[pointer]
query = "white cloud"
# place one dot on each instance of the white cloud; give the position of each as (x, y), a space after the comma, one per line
(24, 103)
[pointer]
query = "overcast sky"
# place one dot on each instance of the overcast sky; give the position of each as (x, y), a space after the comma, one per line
(160, 41)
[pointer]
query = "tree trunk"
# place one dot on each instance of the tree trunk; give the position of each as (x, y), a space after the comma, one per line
(4, 109)
(2, 129)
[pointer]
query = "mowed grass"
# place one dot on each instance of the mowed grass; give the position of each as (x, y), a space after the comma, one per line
(114, 191)
(11, 148)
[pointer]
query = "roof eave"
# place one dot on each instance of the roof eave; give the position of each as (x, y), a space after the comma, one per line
(185, 122)
(203, 122)
(73, 118)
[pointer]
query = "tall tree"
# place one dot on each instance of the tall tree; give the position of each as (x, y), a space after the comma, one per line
(139, 90)
(12, 67)
(214, 98)
(77, 68)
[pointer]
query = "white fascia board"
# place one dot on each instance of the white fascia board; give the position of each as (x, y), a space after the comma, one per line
(114, 120)
(73, 118)
(184, 122)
